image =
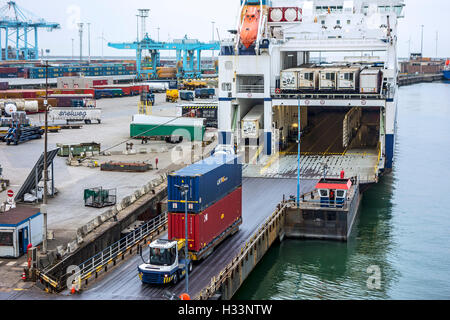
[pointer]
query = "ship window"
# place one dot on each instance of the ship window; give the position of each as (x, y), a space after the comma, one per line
(338, 21)
(349, 21)
(340, 193)
(323, 193)
(323, 21)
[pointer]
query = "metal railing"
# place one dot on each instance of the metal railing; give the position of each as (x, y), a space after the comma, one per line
(242, 88)
(217, 281)
(108, 255)
(327, 96)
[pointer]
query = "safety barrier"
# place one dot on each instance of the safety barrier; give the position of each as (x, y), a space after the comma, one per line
(108, 256)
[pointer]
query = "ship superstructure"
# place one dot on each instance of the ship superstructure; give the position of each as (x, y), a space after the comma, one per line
(336, 62)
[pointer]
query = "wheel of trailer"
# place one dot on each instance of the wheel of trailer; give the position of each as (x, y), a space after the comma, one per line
(99, 121)
(175, 278)
(87, 121)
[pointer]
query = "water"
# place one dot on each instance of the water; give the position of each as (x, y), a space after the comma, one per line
(403, 227)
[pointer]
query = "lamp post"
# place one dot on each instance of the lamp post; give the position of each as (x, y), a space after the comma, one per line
(89, 42)
(212, 22)
(44, 206)
(184, 192)
(421, 44)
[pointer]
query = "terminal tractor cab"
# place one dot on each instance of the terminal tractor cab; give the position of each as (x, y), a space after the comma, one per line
(165, 263)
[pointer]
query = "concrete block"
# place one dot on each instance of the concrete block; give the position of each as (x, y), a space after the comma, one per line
(50, 235)
(138, 194)
(74, 163)
(143, 150)
(80, 239)
(115, 153)
(132, 198)
(72, 246)
(126, 202)
(113, 210)
(125, 153)
(132, 152)
(154, 150)
(164, 149)
(119, 207)
(61, 251)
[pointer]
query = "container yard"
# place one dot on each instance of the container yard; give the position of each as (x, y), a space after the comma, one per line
(185, 171)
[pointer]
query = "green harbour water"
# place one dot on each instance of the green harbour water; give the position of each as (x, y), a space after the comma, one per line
(402, 230)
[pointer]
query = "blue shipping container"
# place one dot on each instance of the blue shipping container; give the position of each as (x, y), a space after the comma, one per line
(209, 181)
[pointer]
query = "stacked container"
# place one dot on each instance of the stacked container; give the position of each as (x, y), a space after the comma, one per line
(214, 201)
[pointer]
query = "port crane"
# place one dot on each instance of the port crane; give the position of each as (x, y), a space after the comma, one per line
(18, 23)
(186, 50)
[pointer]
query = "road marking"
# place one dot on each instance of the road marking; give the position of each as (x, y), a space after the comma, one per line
(1, 262)
(25, 264)
(12, 263)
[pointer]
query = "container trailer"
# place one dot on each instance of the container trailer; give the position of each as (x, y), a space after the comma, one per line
(187, 95)
(76, 114)
(253, 123)
(370, 81)
(348, 79)
(191, 129)
(210, 227)
(328, 79)
(209, 180)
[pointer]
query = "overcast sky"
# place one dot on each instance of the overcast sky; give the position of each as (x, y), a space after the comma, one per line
(117, 19)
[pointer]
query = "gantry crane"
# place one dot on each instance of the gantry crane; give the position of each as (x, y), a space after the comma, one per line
(18, 23)
(185, 48)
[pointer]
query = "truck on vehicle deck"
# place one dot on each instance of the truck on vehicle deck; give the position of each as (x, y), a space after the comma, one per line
(165, 264)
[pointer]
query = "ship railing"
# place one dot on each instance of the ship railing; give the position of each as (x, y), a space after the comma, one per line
(250, 89)
(276, 94)
(101, 261)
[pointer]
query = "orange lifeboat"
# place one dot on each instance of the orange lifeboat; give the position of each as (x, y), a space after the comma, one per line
(249, 28)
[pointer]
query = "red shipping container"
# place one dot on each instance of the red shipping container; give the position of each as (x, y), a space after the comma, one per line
(207, 225)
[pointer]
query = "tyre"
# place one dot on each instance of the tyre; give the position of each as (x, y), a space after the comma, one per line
(175, 278)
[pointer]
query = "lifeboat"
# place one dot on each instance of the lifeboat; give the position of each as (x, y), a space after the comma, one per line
(249, 28)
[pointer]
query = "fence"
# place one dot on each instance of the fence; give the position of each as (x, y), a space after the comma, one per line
(109, 255)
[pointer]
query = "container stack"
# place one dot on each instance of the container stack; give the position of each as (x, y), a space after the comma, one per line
(166, 72)
(214, 201)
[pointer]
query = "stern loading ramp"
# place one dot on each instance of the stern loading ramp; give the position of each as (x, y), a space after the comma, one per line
(260, 198)
(333, 139)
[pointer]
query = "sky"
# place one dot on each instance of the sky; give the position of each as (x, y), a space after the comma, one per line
(177, 18)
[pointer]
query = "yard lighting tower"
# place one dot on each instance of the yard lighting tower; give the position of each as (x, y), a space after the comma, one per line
(44, 206)
(80, 30)
(184, 192)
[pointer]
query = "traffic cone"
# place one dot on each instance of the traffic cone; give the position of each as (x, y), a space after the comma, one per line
(72, 291)
(24, 276)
